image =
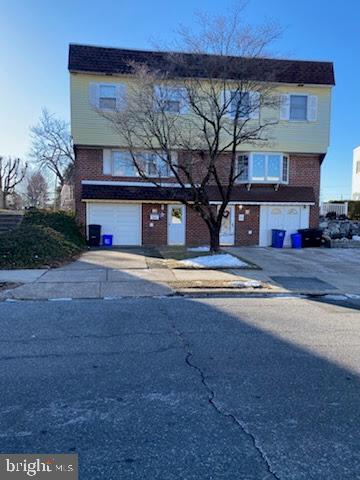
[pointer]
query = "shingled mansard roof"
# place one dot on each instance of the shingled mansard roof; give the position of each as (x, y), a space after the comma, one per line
(87, 58)
(239, 194)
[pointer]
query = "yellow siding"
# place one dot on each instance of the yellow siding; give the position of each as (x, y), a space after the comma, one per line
(89, 128)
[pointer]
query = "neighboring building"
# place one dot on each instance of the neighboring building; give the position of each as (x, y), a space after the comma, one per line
(108, 192)
(67, 197)
(355, 192)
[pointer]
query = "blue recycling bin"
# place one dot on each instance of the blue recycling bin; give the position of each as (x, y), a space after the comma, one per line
(107, 240)
(296, 240)
(278, 237)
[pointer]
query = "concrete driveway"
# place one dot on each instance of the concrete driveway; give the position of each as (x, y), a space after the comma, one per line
(306, 268)
(102, 273)
(140, 272)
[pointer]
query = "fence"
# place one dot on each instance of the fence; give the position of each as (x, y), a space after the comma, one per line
(338, 208)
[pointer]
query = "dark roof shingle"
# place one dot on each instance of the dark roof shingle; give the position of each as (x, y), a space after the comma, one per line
(240, 193)
(87, 58)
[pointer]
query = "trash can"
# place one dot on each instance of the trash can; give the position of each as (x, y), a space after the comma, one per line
(296, 240)
(278, 237)
(107, 240)
(311, 237)
(94, 235)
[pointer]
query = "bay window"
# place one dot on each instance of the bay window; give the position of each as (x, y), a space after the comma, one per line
(262, 168)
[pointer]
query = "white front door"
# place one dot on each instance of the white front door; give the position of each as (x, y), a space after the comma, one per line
(227, 231)
(176, 224)
(281, 217)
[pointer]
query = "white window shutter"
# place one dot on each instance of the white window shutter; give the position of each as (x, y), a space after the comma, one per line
(94, 94)
(312, 108)
(107, 161)
(184, 101)
(120, 96)
(255, 105)
(284, 107)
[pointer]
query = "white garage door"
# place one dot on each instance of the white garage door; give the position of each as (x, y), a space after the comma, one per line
(122, 221)
(289, 218)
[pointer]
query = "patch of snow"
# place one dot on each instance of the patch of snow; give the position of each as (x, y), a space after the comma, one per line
(246, 284)
(356, 238)
(203, 248)
(214, 261)
(335, 297)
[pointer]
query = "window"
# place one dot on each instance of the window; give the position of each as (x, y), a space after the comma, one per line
(154, 165)
(171, 99)
(240, 101)
(263, 168)
(107, 97)
(298, 107)
(123, 165)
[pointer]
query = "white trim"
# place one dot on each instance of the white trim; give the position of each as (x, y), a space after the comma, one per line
(166, 202)
(239, 202)
(133, 184)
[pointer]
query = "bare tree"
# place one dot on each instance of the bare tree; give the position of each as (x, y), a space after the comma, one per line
(12, 173)
(37, 190)
(215, 105)
(52, 147)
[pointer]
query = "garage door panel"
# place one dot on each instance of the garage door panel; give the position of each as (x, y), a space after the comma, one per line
(289, 218)
(122, 221)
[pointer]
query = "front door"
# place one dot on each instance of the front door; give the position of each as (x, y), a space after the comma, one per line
(227, 231)
(176, 225)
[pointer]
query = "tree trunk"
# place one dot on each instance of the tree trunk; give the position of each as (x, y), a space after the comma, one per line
(214, 239)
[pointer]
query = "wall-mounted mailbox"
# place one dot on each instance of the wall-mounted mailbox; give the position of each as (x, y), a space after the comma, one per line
(241, 217)
(154, 216)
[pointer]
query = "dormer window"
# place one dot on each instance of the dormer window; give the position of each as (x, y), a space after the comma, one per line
(262, 168)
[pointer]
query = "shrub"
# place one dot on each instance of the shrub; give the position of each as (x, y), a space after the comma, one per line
(331, 216)
(32, 246)
(354, 210)
(62, 222)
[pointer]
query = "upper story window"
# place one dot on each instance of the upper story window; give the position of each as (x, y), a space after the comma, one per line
(107, 97)
(123, 165)
(246, 105)
(154, 165)
(263, 168)
(171, 99)
(120, 163)
(298, 107)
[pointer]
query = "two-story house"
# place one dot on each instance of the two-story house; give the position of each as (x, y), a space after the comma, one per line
(279, 186)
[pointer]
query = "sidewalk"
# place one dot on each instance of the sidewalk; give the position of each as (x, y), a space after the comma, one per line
(112, 274)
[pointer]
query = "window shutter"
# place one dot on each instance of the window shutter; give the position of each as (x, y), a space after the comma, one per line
(243, 168)
(120, 96)
(184, 101)
(94, 94)
(312, 108)
(254, 105)
(285, 169)
(284, 107)
(107, 162)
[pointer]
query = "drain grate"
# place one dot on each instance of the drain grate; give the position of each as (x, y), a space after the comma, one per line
(303, 283)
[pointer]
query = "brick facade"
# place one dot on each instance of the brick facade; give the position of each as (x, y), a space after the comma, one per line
(304, 170)
(154, 232)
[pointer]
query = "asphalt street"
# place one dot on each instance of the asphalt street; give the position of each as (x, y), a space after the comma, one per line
(184, 388)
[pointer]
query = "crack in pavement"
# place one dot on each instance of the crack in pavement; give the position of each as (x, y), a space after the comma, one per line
(218, 409)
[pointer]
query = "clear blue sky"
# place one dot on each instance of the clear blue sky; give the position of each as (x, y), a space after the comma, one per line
(34, 38)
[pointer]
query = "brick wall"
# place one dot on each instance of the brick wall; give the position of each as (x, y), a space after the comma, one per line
(157, 234)
(304, 170)
(251, 223)
(197, 232)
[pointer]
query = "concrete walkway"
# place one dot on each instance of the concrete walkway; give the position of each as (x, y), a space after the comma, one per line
(112, 274)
